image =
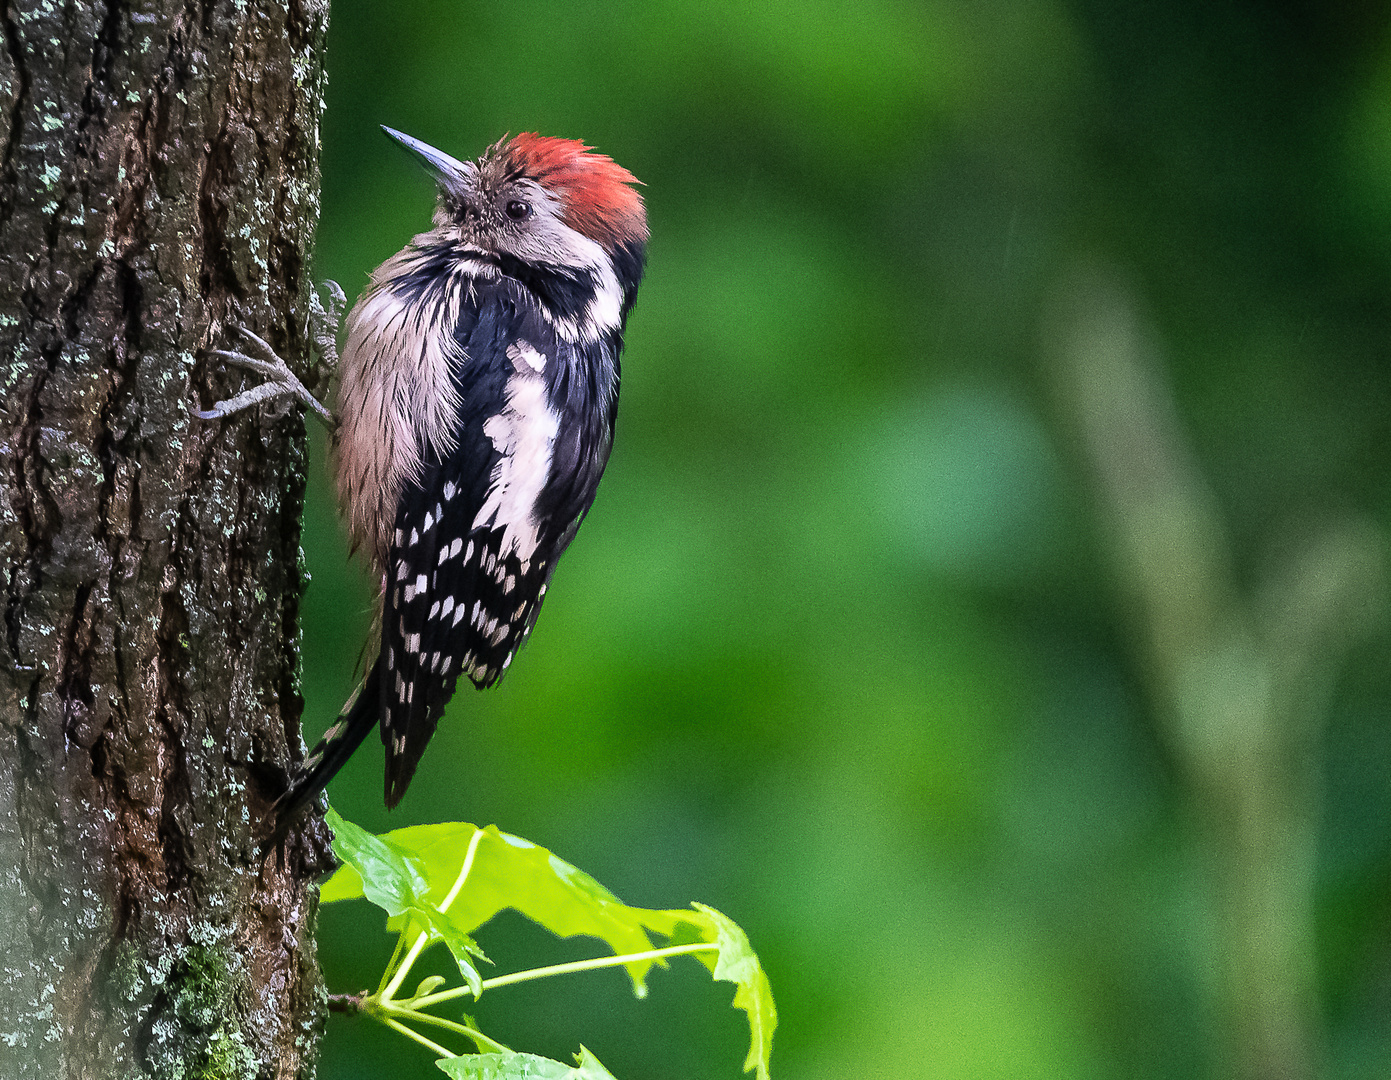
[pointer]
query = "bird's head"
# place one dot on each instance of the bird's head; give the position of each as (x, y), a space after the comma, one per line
(537, 199)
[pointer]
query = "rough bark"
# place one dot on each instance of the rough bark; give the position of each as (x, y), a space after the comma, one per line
(159, 182)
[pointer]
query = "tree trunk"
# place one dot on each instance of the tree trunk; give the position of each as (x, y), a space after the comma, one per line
(159, 183)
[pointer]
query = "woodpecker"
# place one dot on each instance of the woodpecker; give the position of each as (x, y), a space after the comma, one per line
(479, 388)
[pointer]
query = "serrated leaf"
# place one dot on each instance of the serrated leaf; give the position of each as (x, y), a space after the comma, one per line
(738, 963)
(523, 1067)
(389, 877)
(507, 872)
(386, 875)
(463, 948)
(735, 962)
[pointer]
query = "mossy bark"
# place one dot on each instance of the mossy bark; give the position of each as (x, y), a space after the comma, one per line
(158, 183)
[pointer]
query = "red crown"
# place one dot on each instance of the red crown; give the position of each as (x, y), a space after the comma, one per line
(599, 201)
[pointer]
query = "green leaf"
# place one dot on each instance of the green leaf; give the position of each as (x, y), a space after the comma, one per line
(735, 962)
(389, 876)
(507, 872)
(738, 963)
(419, 866)
(428, 985)
(445, 928)
(386, 876)
(523, 1067)
(345, 884)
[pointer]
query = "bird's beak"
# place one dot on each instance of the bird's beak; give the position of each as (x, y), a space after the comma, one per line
(445, 168)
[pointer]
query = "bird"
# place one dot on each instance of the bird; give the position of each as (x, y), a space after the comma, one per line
(475, 415)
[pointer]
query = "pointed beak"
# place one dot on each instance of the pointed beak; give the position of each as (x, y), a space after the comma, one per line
(445, 168)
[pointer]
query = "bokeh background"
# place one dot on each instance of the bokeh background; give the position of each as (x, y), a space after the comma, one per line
(985, 603)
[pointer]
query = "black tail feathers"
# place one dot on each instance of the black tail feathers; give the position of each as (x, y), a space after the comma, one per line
(354, 723)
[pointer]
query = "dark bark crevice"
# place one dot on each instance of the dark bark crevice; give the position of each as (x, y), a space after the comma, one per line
(15, 55)
(159, 178)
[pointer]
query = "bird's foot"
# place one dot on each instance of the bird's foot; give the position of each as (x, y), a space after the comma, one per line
(325, 313)
(281, 382)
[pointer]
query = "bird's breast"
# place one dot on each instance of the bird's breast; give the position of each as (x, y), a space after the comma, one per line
(398, 400)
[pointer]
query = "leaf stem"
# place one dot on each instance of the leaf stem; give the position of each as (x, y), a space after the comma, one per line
(434, 1047)
(391, 964)
(566, 969)
(389, 991)
(483, 1042)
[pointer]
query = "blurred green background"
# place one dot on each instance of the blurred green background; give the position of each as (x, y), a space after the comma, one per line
(984, 603)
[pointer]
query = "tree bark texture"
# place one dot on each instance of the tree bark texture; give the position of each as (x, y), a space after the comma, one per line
(159, 183)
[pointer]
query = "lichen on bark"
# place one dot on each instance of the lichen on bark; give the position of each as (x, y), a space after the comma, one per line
(158, 183)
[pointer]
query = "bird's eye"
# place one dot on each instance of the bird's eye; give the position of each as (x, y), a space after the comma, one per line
(518, 210)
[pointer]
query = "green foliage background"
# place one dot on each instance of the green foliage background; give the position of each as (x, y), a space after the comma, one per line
(841, 649)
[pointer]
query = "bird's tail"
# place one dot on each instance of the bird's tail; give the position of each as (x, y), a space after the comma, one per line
(354, 723)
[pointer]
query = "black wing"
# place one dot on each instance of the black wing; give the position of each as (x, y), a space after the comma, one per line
(477, 539)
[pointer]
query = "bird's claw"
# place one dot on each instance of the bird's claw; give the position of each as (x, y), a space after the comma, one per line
(281, 381)
(325, 313)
